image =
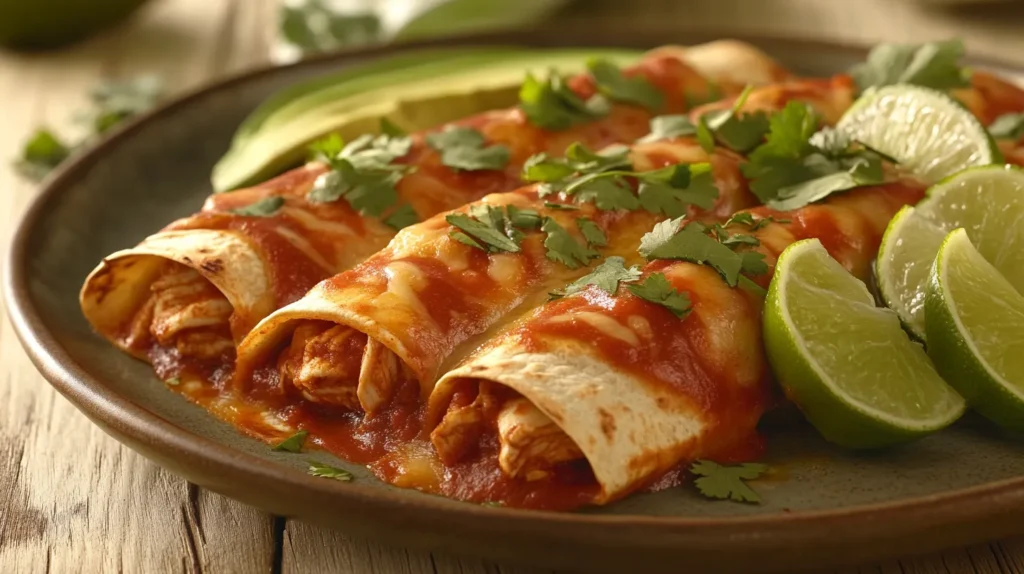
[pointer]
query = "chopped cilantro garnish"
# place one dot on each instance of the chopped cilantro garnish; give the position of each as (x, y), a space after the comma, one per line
(1008, 126)
(705, 138)
(702, 244)
(603, 179)
(387, 127)
(747, 218)
(672, 189)
(263, 208)
(616, 86)
(293, 443)
(669, 127)
(560, 206)
(727, 482)
(463, 148)
(736, 130)
(564, 248)
(656, 289)
(403, 217)
(484, 231)
(591, 232)
(796, 166)
(327, 471)
(173, 381)
(362, 171)
(691, 244)
(933, 65)
(552, 105)
(605, 276)
(523, 218)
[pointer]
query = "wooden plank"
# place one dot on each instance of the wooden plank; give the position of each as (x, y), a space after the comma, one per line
(74, 499)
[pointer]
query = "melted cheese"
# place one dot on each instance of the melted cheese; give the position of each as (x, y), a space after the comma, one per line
(641, 326)
(404, 281)
(300, 243)
(603, 323)
(505, 269)
(314, 223)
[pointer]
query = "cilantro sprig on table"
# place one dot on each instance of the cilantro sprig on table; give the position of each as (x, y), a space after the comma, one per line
(933, 65)
(552, 105)
(111, 104)
(724, 482)
(605, 179)
(364, 174)
(798, 165)
(463, 148)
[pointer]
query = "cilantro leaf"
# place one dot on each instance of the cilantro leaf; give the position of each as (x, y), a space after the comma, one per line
(613, 83)
(389, 128)
(591, 232)
(670, 192)
(669, 127)
(691, 244)
(327, 148)
(705, 138)
(523, 218)
(43, 152)
(741, 218)
(564, 248)
(293, 443)
(736, 130)
(560, 206)
(604, 191)
(403, 217)
(361, 172)
(463, 148)
(316, 26)
(605, 276)
(797, 166)
(727, 482)
(657, 289)
(933, 65)
(552, 105)
(487, 233)
(1008, 126)
(263, 208)
(543, 168)
(327, 471)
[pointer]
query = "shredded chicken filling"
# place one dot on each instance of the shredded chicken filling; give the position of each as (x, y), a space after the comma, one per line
(531, 444)
(340, 366)
(186, 312)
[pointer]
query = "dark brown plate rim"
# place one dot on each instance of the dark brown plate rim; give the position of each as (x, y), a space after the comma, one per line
(975, 505)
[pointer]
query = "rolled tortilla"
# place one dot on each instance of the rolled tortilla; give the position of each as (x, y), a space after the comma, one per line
(627, 385)
(227, 272)
(428, 299)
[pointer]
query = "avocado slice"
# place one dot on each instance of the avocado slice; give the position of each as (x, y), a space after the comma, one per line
(414, 91)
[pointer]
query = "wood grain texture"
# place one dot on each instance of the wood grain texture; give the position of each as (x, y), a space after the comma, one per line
(74, 500)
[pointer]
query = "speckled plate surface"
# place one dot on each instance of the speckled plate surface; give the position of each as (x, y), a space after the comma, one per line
(823, 506)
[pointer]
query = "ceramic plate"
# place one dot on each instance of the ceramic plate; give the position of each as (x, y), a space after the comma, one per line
(825, 506)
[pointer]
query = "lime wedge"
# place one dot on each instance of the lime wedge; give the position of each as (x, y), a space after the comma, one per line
(929, 133)
(988, 202)
(976, 331)
(846, 363)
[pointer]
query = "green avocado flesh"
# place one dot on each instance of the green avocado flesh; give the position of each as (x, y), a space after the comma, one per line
(414, 91)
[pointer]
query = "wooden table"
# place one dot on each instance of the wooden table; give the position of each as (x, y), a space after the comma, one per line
(73, 499)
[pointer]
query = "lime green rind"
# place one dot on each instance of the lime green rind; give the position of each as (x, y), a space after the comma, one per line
(955, 357)
(412, 93)
(838, 417)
